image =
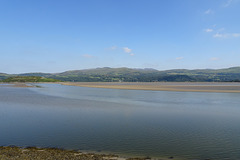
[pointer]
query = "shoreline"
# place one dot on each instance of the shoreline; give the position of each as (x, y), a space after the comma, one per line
(16, 84)
(30, 153)
(217, 87)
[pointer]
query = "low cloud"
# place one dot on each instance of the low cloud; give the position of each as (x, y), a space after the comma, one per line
(132, 54)
(227, 3)
(219, 35)
(87, 56)
(127, 50)
(179, 58)
(214, 59)
(113, 48)
(226, 35)
(235, 35)
(208, 30)
(220, 30)
(209, 11)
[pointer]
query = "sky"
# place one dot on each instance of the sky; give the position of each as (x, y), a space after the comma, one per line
(59, 35)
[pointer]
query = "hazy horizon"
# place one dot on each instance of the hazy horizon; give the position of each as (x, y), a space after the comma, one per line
(121, 67)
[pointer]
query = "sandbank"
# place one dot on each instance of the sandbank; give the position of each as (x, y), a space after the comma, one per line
(19, 85)
(224, 87)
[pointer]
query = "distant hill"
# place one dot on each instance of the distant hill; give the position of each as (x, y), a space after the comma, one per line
(29, 79)
(35, 74)
(3, 75)
(210, 75)
(107, 74)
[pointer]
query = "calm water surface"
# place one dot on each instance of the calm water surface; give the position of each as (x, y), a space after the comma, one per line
(188, 125)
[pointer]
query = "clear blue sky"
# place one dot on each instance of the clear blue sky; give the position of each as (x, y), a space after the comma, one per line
(59, 35)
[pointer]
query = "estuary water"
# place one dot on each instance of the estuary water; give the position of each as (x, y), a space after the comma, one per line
(187, 125)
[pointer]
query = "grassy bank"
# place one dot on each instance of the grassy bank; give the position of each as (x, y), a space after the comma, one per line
(28, 79)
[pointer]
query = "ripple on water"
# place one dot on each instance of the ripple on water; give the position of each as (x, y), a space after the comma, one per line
(174, 124)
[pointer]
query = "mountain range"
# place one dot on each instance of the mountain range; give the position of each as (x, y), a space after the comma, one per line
(107, 74)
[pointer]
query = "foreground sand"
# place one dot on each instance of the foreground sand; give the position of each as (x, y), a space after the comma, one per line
(164, 86)
(33, 153)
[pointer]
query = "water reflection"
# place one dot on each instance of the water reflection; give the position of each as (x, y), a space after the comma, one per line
(128, 122)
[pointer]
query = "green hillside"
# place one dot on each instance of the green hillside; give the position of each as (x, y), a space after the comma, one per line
(107, 74)
(150, 75)
(210, 75)
(29, 79)
(3, 76)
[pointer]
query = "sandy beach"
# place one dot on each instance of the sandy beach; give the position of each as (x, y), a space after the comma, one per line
(164, 86)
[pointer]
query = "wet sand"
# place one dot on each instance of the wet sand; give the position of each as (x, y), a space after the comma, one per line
(164, 86)
(225, 87)
(21, 85)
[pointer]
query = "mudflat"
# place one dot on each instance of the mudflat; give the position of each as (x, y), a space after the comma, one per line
(21, 85)
(227, 87)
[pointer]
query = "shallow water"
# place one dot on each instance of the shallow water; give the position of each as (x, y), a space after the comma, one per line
(188, 125)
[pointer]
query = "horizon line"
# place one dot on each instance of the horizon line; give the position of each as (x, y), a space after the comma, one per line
(122, 67)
